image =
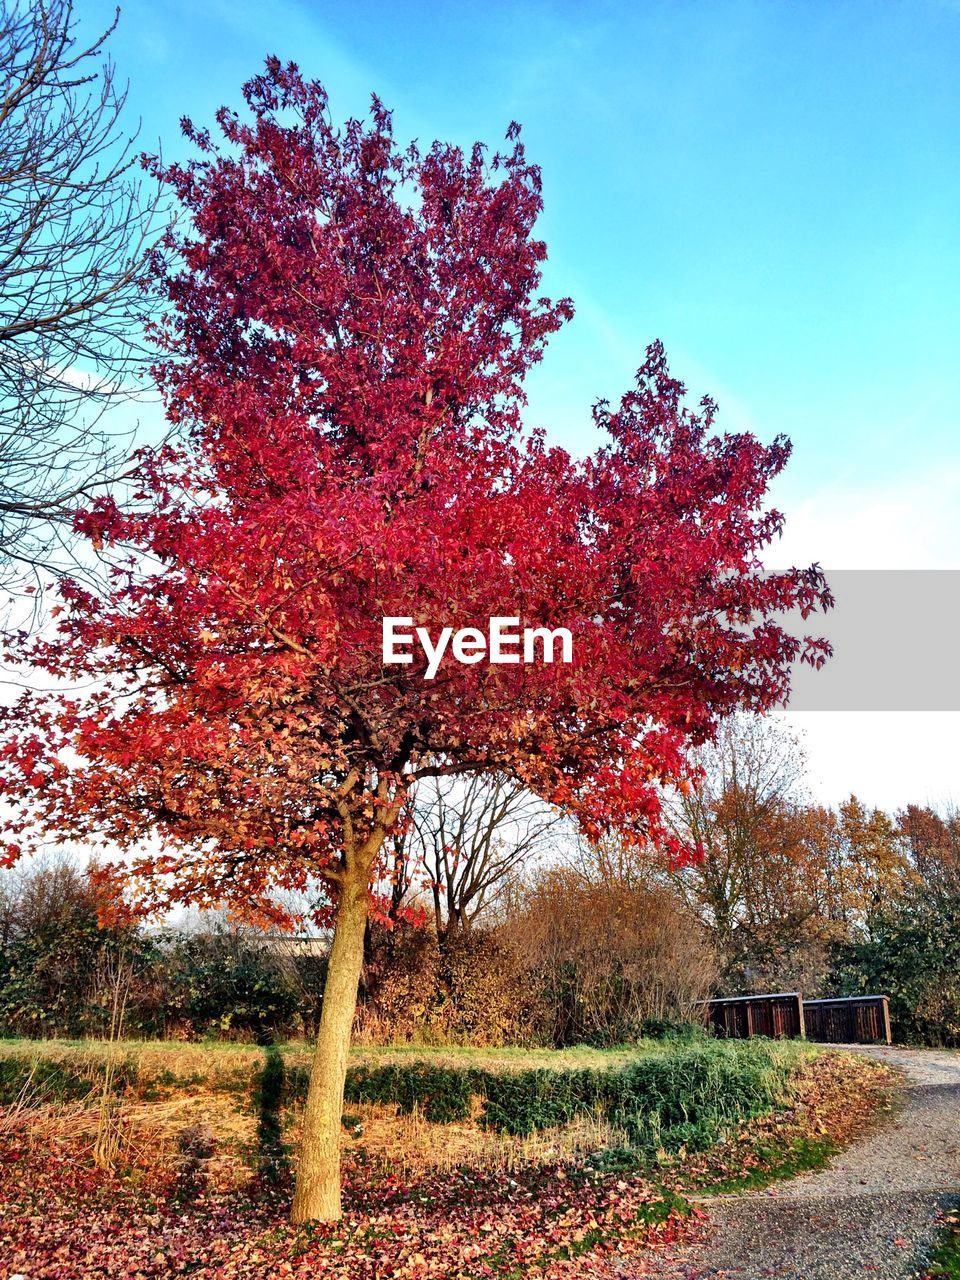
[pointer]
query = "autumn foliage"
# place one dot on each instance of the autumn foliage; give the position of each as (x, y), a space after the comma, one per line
(350, 324)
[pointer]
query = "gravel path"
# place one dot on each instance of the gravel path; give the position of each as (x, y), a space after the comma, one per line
(870, 1213)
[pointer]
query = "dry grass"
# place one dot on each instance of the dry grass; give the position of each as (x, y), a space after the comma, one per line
(189, 1058)
(212, 1084)
(410, 1144)
(148, 1133)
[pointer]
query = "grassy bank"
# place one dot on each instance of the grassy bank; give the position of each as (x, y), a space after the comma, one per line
(655, 1096)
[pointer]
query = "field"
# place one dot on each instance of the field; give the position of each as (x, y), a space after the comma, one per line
(158, 1159)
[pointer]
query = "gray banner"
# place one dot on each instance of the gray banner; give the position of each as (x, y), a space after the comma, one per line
(895, 643)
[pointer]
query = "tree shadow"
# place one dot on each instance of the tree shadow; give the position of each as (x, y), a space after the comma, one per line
(272, 1154)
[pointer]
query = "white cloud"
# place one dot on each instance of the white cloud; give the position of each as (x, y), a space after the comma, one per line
(888, 758)
(910, 522)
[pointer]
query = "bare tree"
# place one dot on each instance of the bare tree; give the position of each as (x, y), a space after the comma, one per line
(75, 235)
(471, 838)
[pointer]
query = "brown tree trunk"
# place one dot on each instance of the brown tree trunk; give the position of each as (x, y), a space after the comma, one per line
(317, 1194)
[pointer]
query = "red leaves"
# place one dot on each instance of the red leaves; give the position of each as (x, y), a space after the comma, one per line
(67, 1221)
(351, 323)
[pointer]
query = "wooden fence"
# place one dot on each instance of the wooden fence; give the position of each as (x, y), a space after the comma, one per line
(778, 1016)
(856, 1020)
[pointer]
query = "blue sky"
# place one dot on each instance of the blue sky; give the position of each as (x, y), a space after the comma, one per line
(771, 188)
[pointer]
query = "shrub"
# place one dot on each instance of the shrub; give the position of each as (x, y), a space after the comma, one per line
(400, 985)
(47, 1080)
(231, 984)
(608, 955)
(61, 973)
(521, 1102)
(464, 987)
(485, 993)
(673, 1031)
(443, 1094)
(913, 956)
(688, 1095)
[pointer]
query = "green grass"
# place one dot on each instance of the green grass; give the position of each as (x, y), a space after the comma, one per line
(683, 1094)
(944, 1262)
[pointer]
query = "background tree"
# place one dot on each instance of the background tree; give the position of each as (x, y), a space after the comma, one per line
(74, 235)
(780, 881)
(912, 954)
(56, 961)
(742, 817)
(352, 323)
(472, 839)
(868, 865)
(933, 841)
(907, 941)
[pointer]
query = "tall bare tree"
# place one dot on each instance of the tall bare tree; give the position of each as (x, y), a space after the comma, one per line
(472, 838)
(609, 952)
(740, 821)
(75, 234)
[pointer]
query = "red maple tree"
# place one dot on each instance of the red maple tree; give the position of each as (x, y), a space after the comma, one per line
(350, 326)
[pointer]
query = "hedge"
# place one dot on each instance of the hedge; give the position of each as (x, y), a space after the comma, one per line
(687, 1096)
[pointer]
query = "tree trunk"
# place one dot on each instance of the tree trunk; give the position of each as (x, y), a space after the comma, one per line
(317, 1195)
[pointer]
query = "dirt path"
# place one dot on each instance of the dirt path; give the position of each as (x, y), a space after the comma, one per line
(870, 1213)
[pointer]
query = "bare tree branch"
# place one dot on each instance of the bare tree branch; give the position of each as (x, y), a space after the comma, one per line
(76, 229)
(472, 838)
